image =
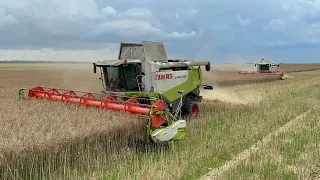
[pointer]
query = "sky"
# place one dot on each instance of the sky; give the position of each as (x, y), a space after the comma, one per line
(221, 31)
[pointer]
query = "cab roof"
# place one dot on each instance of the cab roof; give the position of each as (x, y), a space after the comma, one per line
(117, 62)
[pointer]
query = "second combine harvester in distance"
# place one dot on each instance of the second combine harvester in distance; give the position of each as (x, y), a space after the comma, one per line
(266, 67)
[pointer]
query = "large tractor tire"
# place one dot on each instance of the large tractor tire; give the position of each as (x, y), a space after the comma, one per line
(190, 108)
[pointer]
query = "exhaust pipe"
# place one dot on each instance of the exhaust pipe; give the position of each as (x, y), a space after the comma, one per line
(200, 63)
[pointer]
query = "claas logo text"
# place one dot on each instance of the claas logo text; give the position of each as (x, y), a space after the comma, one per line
(163, 76)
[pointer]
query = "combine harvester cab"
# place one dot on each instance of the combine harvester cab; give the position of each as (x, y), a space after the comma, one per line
(266, 67)
(143, 81)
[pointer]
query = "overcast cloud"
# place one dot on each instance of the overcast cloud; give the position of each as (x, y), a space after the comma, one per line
(217, 30)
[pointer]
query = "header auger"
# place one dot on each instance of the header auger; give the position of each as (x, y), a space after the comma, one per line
(143, 81)
(265, 67)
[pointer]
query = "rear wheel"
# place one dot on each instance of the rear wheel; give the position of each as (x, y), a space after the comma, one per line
(195, 110)
(190, 108)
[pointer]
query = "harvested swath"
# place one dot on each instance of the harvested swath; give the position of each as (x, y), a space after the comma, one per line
(229, 78)
(227, 74)
(33, 127)
(207, 103)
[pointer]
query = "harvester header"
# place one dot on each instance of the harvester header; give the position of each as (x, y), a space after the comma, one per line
(143, 81)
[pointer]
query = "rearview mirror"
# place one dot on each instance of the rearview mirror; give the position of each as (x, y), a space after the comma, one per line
(94, 68)
(208, 67)
(208, 87)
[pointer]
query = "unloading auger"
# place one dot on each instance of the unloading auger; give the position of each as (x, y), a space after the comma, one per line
(142, 81)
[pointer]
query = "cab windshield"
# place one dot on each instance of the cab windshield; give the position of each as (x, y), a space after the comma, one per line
(264, 67)
(121, 78)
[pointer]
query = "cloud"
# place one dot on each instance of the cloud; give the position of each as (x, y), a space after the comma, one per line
(193, 11)
(129, 29)
(197, 29)
(138, 23)
(223, 32)
(276, 25)
(276, 44)
(7, 19)
(60, 23)
(243, 22)
(110, 11)
(298, 10)
(137, 13)
(177, 35)
(186, 12)
(298, 23)
(49, 54)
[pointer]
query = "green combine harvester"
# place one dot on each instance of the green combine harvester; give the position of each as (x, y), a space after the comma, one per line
(143, 81)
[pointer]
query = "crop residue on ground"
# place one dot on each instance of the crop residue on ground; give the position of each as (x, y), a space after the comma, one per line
(229, 96)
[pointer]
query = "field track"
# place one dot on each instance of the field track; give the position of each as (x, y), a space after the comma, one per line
(253, 149)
